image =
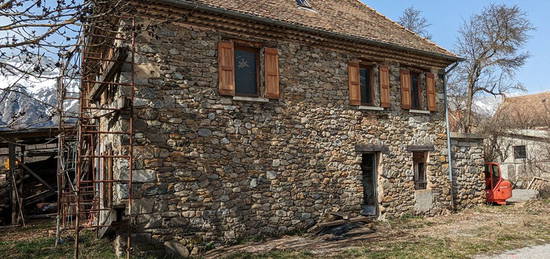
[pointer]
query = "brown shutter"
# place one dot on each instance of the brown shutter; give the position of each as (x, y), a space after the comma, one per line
(354, 84)
(272, 74)
(226, 62)
(405, 89)
(385, 87)
(430, 87)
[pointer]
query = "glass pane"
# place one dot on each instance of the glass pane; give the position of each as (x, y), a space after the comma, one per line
(245, 72)
(421, 173)
(520, 152)
(366, 93)
(415, 97)
(496, 172)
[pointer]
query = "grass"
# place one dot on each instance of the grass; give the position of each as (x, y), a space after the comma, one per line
(44, 248)
(32, 242)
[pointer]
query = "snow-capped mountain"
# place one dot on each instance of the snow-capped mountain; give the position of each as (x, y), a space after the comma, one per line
(487, 105)
(30, 102)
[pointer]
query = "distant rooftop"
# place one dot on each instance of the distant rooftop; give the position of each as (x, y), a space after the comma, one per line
(528, 111)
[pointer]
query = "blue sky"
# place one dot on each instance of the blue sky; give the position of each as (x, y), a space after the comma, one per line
(446, 18)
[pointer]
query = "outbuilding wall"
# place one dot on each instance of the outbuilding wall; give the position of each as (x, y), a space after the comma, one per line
(468, 167)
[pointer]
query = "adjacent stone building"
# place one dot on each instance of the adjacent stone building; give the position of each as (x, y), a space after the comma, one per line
(259, 119)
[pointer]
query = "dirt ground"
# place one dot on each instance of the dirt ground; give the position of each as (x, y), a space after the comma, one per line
(485, 230)
(480, 231)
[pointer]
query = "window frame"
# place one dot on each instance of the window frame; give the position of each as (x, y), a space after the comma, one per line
(370, 83)
(257, 50)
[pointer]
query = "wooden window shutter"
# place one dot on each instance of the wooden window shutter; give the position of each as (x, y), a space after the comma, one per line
(354, 84)
(405, 89)
(272, 86)
(226, 62)
(430, 89)
(385, 87)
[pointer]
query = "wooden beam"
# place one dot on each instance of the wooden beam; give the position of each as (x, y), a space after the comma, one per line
(16, 201)
(368, 148)
(420, 148)
(111, 69)
(11, 163)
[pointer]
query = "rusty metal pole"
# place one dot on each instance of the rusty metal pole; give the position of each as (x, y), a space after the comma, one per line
(131, 140)
(79, 154)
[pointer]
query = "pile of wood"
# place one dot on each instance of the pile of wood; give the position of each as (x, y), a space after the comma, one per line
(337, 225)
(542, 185)
(35, 187)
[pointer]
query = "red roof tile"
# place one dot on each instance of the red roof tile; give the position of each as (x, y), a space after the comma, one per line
(348, 17)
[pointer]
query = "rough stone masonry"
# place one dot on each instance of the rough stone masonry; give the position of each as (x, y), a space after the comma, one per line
(213, 168)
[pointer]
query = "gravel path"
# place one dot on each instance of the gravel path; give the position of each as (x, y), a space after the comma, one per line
(542, 252)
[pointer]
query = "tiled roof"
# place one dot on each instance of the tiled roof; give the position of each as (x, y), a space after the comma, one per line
(528, 111)
(347, 17)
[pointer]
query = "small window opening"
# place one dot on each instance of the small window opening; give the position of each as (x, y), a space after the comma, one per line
(520, 152)
(420, 179)
(303, 3)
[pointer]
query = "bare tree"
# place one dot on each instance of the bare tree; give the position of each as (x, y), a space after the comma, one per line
(37, 36)
(413, 20)
(491, 44)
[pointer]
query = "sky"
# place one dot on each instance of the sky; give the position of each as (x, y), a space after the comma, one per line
(446, 17)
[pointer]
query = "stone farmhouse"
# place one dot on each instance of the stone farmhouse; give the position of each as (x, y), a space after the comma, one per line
(524, 146)
(260, 119)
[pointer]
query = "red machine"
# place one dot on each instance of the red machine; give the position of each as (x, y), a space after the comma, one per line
(498, 190)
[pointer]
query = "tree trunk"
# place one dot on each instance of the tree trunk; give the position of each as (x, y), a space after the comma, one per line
(469, 104)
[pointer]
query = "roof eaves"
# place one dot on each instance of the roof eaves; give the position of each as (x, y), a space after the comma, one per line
(209, 8)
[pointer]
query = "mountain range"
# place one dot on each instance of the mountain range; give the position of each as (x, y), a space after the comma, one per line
(30, 102)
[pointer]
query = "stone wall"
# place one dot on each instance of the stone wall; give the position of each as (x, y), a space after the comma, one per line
(210, 167)
(468, 164)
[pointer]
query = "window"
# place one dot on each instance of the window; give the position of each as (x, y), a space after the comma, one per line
(418, 90)
(362, 85)
(246, 71)
(415, 91)
(496, 171)
(239, 70)
(520, 152)
(367, 92)
(420, 179)
(487, 178)
(303, 3)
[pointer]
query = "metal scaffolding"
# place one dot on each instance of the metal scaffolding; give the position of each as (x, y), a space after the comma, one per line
(85, 170)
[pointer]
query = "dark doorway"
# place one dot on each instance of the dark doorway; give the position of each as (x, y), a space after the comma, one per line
(368, 166)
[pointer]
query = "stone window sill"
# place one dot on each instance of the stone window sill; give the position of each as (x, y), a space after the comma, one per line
(250, 99)
(419, 112)
(370, 108)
